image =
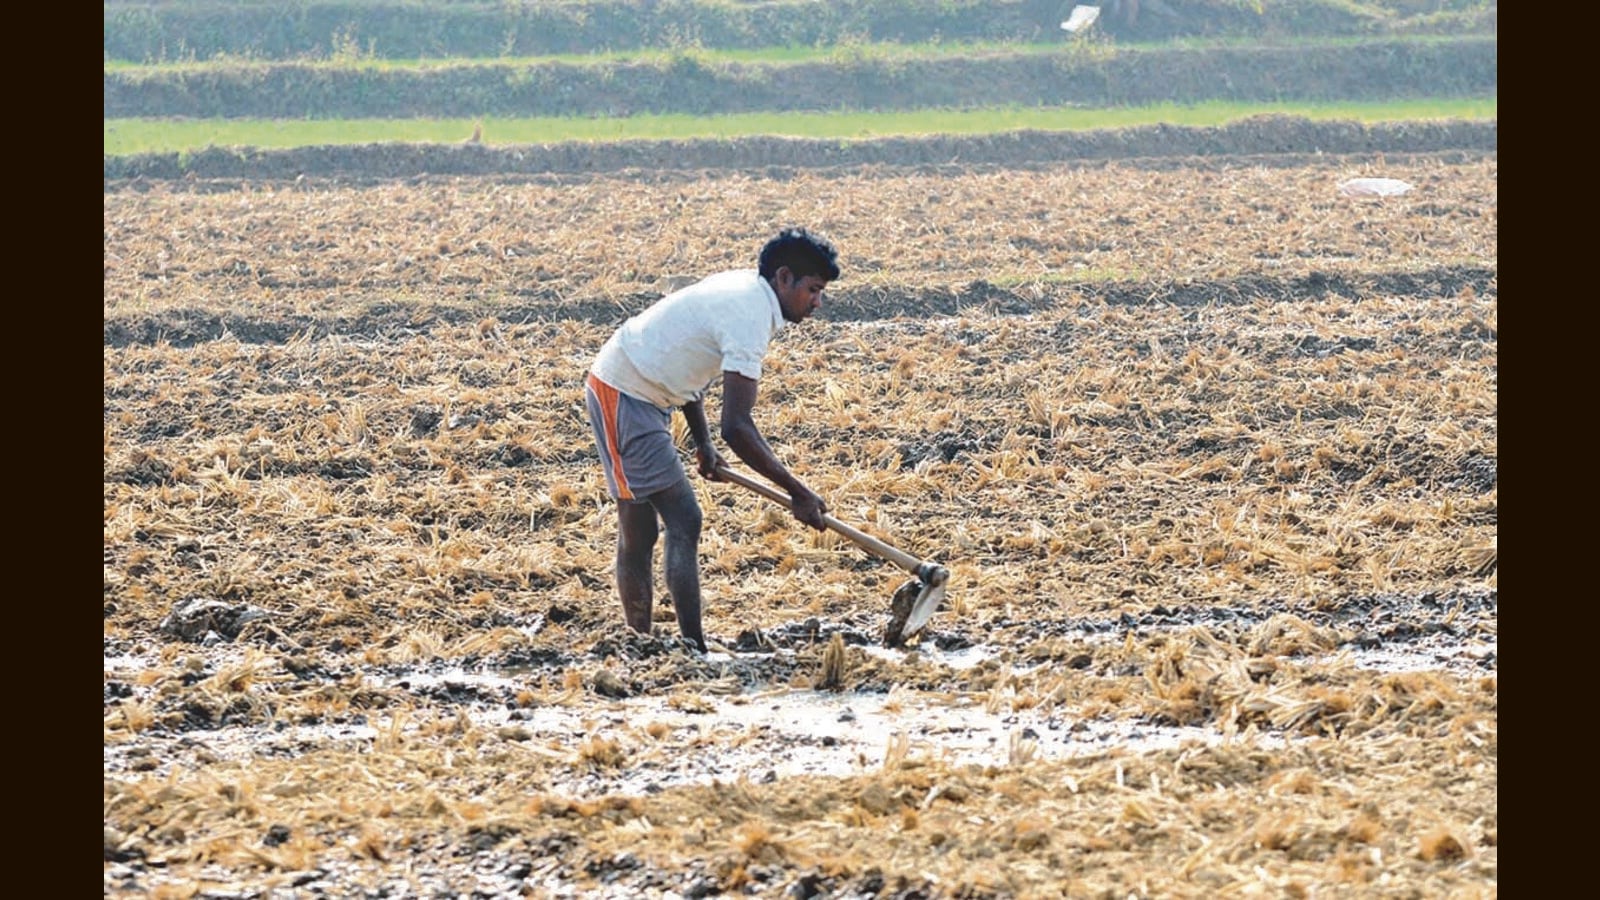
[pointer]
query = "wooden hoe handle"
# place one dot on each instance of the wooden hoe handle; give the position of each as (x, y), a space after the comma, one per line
(861, 539)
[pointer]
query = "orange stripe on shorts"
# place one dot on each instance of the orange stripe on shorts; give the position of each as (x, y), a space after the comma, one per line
(609, 398)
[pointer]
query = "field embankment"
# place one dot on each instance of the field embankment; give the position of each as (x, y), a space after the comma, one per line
(1262, 140)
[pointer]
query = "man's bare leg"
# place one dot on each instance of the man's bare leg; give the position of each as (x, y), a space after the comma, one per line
(680, 513)
(636, 542)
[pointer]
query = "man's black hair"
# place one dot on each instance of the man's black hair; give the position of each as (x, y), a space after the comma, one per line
(804, 252)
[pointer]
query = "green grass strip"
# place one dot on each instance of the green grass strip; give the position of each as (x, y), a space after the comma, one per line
(128, 136)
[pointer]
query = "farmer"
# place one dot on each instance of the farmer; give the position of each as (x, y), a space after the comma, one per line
(666, 358)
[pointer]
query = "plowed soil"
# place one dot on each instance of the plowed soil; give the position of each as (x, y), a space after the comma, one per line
(1209, 448)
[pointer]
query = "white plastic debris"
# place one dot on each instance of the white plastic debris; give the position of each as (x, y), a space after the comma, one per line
(1373, 187)
(1082, 17)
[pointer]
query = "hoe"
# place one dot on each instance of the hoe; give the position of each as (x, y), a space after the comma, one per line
(914, 601)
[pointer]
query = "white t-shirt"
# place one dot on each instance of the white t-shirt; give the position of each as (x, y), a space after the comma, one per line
(672, 351)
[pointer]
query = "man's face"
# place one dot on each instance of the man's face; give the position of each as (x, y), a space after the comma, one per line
(798, 297)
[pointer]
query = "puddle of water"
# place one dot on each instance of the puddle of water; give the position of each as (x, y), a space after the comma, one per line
(1457, 658)
(758, 736)
(960, 660)
(775, 734)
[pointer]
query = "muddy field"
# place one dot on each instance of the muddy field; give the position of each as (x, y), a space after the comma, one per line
(1209, 449)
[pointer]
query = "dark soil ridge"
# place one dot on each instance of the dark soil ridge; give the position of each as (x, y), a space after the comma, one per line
(1255, 136)
(1418, 623)
(188, 327)
(956, 168)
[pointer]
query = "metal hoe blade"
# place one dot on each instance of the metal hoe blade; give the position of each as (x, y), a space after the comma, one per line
(915, 603)
(923, 609)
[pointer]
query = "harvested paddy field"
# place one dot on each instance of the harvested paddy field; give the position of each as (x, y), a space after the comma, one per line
(1209, 448)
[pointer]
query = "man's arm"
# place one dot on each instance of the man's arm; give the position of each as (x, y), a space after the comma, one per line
(739, 432)
(694, 413)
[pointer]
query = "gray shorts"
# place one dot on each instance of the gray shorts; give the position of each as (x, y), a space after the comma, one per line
(634, 440)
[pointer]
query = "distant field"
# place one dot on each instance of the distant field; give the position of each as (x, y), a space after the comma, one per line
(874, 50)
(356, 58)
(129, 136)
